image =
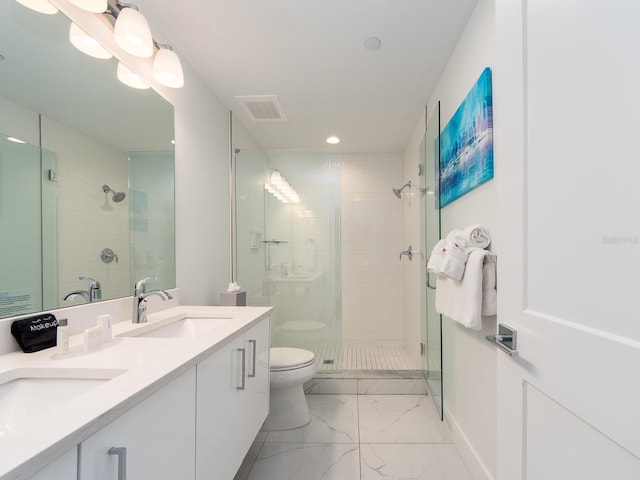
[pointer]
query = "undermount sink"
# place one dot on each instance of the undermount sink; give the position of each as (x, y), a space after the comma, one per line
(26, 393)
(188, 327)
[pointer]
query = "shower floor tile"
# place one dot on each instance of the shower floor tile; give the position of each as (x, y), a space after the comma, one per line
(330, 359)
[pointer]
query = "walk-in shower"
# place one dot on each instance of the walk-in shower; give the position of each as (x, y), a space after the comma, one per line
(117, 196)
(398, 191)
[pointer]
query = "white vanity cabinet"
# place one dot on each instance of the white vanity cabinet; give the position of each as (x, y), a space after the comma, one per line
(153, 440)
(232, 402)
(64, 467)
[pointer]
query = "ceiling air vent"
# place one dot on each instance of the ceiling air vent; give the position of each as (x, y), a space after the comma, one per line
(263, 108)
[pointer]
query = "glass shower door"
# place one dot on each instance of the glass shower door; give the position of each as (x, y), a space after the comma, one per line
(431, 330)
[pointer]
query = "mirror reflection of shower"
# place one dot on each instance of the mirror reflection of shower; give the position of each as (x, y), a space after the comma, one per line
(398, 191)
(117, 196)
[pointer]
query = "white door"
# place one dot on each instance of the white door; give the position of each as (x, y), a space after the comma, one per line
(567, 135)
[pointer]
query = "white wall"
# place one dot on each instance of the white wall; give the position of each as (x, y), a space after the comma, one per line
(469, 362)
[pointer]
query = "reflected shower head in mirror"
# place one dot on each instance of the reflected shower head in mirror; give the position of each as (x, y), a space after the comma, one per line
(398, 191)
(117, 196)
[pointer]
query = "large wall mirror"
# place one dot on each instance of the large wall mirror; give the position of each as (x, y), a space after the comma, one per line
(86, 172)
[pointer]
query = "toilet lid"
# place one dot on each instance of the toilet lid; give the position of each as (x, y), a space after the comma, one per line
(286, 358)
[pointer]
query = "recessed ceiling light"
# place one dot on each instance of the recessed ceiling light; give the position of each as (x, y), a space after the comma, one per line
(333, 140)
(372, 43)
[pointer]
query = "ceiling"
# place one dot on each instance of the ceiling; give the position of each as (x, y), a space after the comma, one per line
(311, 54)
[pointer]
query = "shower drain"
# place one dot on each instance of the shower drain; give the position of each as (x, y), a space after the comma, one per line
(327, 362)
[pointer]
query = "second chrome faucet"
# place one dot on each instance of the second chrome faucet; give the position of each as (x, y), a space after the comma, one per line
(140, 294)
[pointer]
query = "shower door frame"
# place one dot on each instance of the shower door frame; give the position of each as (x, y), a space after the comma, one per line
(431, 321)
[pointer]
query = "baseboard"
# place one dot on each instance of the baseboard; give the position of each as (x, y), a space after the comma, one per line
(472, 460)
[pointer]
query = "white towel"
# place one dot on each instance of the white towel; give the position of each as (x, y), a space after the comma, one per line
(437, 256)
(477, 236)
(455, 255)
(489, 291)
(463, 300)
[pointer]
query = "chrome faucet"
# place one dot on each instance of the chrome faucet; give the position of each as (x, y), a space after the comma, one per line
(140, 295)
(93, 293)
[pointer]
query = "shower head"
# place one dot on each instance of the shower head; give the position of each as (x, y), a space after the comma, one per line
(117, 196)
(398, 191)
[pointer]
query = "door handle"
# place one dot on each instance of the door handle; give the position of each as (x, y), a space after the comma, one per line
(121, 453)
(506, 339)
(253, 359)
(243, 352)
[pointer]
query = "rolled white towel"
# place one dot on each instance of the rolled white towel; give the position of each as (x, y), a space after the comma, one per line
(477, 236)
(436, 258)
(458, 237)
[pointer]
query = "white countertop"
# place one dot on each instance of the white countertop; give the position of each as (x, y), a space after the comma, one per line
(147, 364)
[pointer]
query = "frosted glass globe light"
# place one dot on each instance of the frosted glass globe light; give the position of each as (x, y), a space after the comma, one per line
(87, 44)
(94, 6)
(41, 6)
(129, 78)
(132, 33)
(167, 68)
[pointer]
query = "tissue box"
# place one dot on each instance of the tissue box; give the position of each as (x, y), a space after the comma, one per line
(230, 299)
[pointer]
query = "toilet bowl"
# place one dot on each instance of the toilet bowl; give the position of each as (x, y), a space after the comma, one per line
(290, 368)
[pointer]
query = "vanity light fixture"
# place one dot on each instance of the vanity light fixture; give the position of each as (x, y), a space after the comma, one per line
(333, 140)
(132, 33)
(41, 6)
(94, 6)
(129, 78)
(167, 68)
(87, 44)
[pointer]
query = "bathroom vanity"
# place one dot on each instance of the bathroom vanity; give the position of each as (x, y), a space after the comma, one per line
(181, 396)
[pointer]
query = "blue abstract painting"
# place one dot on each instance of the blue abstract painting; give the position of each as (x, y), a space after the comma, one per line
(466, 143)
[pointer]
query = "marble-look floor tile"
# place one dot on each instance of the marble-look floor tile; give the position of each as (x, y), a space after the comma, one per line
(411, 462)
(392, 386)
(338, 386)
(306, 461)
(399, 419)
(334, 419)
(249, 459)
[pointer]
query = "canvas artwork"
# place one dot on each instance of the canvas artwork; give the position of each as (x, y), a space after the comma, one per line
(466, 143)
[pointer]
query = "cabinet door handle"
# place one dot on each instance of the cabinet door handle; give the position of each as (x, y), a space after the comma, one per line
(243, 351)
(253, 359)
(121, 453)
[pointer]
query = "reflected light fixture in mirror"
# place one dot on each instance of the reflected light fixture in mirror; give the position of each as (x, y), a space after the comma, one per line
(129, 78)
(167, 68)
(87, 44)
(132, 33)
(94, 6)
(42, 6)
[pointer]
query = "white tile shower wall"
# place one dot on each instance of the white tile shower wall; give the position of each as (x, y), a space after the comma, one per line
(372, 236)
(90, 223)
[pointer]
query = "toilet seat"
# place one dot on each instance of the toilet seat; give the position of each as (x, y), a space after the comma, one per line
(287, 358)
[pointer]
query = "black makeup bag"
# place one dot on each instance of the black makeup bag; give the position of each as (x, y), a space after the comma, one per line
(35, 333)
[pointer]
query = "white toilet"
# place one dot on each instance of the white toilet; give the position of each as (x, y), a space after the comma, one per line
(290, 368)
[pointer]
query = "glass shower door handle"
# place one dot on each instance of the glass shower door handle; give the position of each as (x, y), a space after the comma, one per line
(429, 285)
